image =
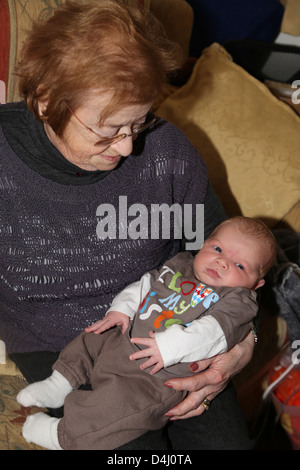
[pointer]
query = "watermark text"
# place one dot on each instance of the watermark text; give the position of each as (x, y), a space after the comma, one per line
(159, 221)
(296, 354)
(296, 93)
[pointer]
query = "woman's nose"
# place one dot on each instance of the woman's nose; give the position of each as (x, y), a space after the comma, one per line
(124, 146)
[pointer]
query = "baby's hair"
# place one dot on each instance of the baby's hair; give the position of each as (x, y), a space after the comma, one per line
(258, 230)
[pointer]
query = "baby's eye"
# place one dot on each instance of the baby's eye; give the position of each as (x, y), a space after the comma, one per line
(218, 249)
(240, 266)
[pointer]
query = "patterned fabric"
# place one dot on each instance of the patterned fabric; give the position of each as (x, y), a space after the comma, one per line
(13, 415)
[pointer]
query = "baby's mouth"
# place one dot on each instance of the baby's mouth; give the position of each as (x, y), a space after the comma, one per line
(213, 273)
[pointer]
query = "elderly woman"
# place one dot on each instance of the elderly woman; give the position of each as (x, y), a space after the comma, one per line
(84, 142)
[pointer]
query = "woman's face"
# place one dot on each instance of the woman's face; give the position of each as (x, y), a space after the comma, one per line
(77, 142)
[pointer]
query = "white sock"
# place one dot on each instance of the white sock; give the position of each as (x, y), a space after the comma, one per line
(42, 430)
(50, 392)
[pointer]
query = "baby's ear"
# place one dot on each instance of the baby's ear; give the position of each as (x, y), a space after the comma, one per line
(260, 283)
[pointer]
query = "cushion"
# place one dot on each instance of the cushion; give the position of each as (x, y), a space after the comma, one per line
(248, 138)
(291, 18)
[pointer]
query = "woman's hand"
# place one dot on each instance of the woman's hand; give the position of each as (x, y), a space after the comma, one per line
(113, 318)
(215, 375)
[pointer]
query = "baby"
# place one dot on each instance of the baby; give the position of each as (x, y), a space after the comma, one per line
(190, 309)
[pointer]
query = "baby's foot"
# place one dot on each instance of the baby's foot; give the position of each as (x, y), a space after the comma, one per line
(42, 430)
(50, 392)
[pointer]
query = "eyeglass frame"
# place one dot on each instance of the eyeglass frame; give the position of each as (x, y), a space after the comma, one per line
(116, 137)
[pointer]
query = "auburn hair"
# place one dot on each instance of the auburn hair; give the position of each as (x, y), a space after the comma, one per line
(104, 45)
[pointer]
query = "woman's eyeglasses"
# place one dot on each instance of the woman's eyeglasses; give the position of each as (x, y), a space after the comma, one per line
(107, 141)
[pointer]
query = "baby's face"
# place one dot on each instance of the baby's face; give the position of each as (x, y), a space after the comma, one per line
(230, 259)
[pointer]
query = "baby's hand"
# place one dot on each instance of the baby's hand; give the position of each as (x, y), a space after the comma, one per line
(152, 352)
(113, 318)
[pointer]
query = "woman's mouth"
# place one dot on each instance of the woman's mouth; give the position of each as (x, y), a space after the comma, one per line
(111, 158)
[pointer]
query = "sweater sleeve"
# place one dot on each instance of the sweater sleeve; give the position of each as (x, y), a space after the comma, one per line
(202, 339)
(130, 298)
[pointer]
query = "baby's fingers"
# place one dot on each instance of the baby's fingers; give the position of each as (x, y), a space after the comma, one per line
(138, 355)
(144, 341)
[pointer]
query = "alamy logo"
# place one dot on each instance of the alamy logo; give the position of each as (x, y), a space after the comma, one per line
(139, 222)
(296, 94)
(296, 353)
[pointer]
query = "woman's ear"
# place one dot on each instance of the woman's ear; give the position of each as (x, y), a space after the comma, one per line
(43, 101)
(42, 107)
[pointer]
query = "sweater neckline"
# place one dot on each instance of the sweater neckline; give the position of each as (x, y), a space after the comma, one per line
(32, 182)
(58, 168)
(17, 115)
(27, 137)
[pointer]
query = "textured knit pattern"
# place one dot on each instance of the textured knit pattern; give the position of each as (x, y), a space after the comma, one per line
(56, 275)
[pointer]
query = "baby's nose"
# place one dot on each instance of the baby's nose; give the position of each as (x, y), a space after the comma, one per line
(222, 263)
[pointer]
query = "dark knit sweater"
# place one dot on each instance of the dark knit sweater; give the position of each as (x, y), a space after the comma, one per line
(56, 275)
